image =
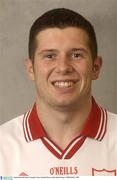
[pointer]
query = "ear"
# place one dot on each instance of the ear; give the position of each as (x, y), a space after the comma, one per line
(97, 64)
(29, 69)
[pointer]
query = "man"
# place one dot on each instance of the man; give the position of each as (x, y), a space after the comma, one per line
(66, 133)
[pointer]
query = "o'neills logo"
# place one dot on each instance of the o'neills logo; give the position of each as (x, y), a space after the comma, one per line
(64, 170)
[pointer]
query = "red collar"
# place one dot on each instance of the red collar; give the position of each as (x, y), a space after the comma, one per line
(95, 126)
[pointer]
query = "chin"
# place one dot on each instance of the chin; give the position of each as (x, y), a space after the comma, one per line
(65, 104)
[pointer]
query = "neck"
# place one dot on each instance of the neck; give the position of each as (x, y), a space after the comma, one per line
(63, 126)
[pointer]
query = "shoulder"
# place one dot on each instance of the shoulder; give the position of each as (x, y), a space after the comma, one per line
(15, 121)
(11, 128)
(112, 118)
(12, 141)
(112, 124)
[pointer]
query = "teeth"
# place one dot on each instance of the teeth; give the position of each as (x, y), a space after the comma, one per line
(63, 84)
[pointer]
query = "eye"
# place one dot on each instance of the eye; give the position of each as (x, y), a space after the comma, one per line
(49, 56)
(76, 55)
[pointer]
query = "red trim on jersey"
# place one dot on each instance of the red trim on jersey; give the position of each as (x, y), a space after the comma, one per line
(96, 172)
(74, 147)
(52, 147)
(25, 127)
(93, 121)
(94, 127)
(68, 152)
(32, 126)
(105, 127)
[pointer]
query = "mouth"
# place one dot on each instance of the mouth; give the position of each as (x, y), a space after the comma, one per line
(64, 84)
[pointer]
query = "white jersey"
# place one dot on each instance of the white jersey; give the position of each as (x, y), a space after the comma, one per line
(25, 149)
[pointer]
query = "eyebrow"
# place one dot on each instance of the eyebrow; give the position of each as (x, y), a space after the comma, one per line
(47, 50)
(55, 50)
(79, 49)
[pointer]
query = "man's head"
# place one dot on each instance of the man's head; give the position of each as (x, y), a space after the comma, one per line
(61, 18)
(63, 59)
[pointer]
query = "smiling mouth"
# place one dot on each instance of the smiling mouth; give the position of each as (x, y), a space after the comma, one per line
(64, 84)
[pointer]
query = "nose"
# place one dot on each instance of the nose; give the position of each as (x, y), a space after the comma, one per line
(64, 66)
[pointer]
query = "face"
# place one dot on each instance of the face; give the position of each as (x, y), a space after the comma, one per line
(63, 67)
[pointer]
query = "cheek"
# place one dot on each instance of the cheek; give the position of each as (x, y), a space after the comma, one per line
(85, 70)
(86, 77)
(42, 71)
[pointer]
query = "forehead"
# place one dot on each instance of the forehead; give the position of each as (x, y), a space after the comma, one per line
(66, 37)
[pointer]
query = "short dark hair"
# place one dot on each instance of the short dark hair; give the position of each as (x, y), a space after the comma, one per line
(61, 18)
